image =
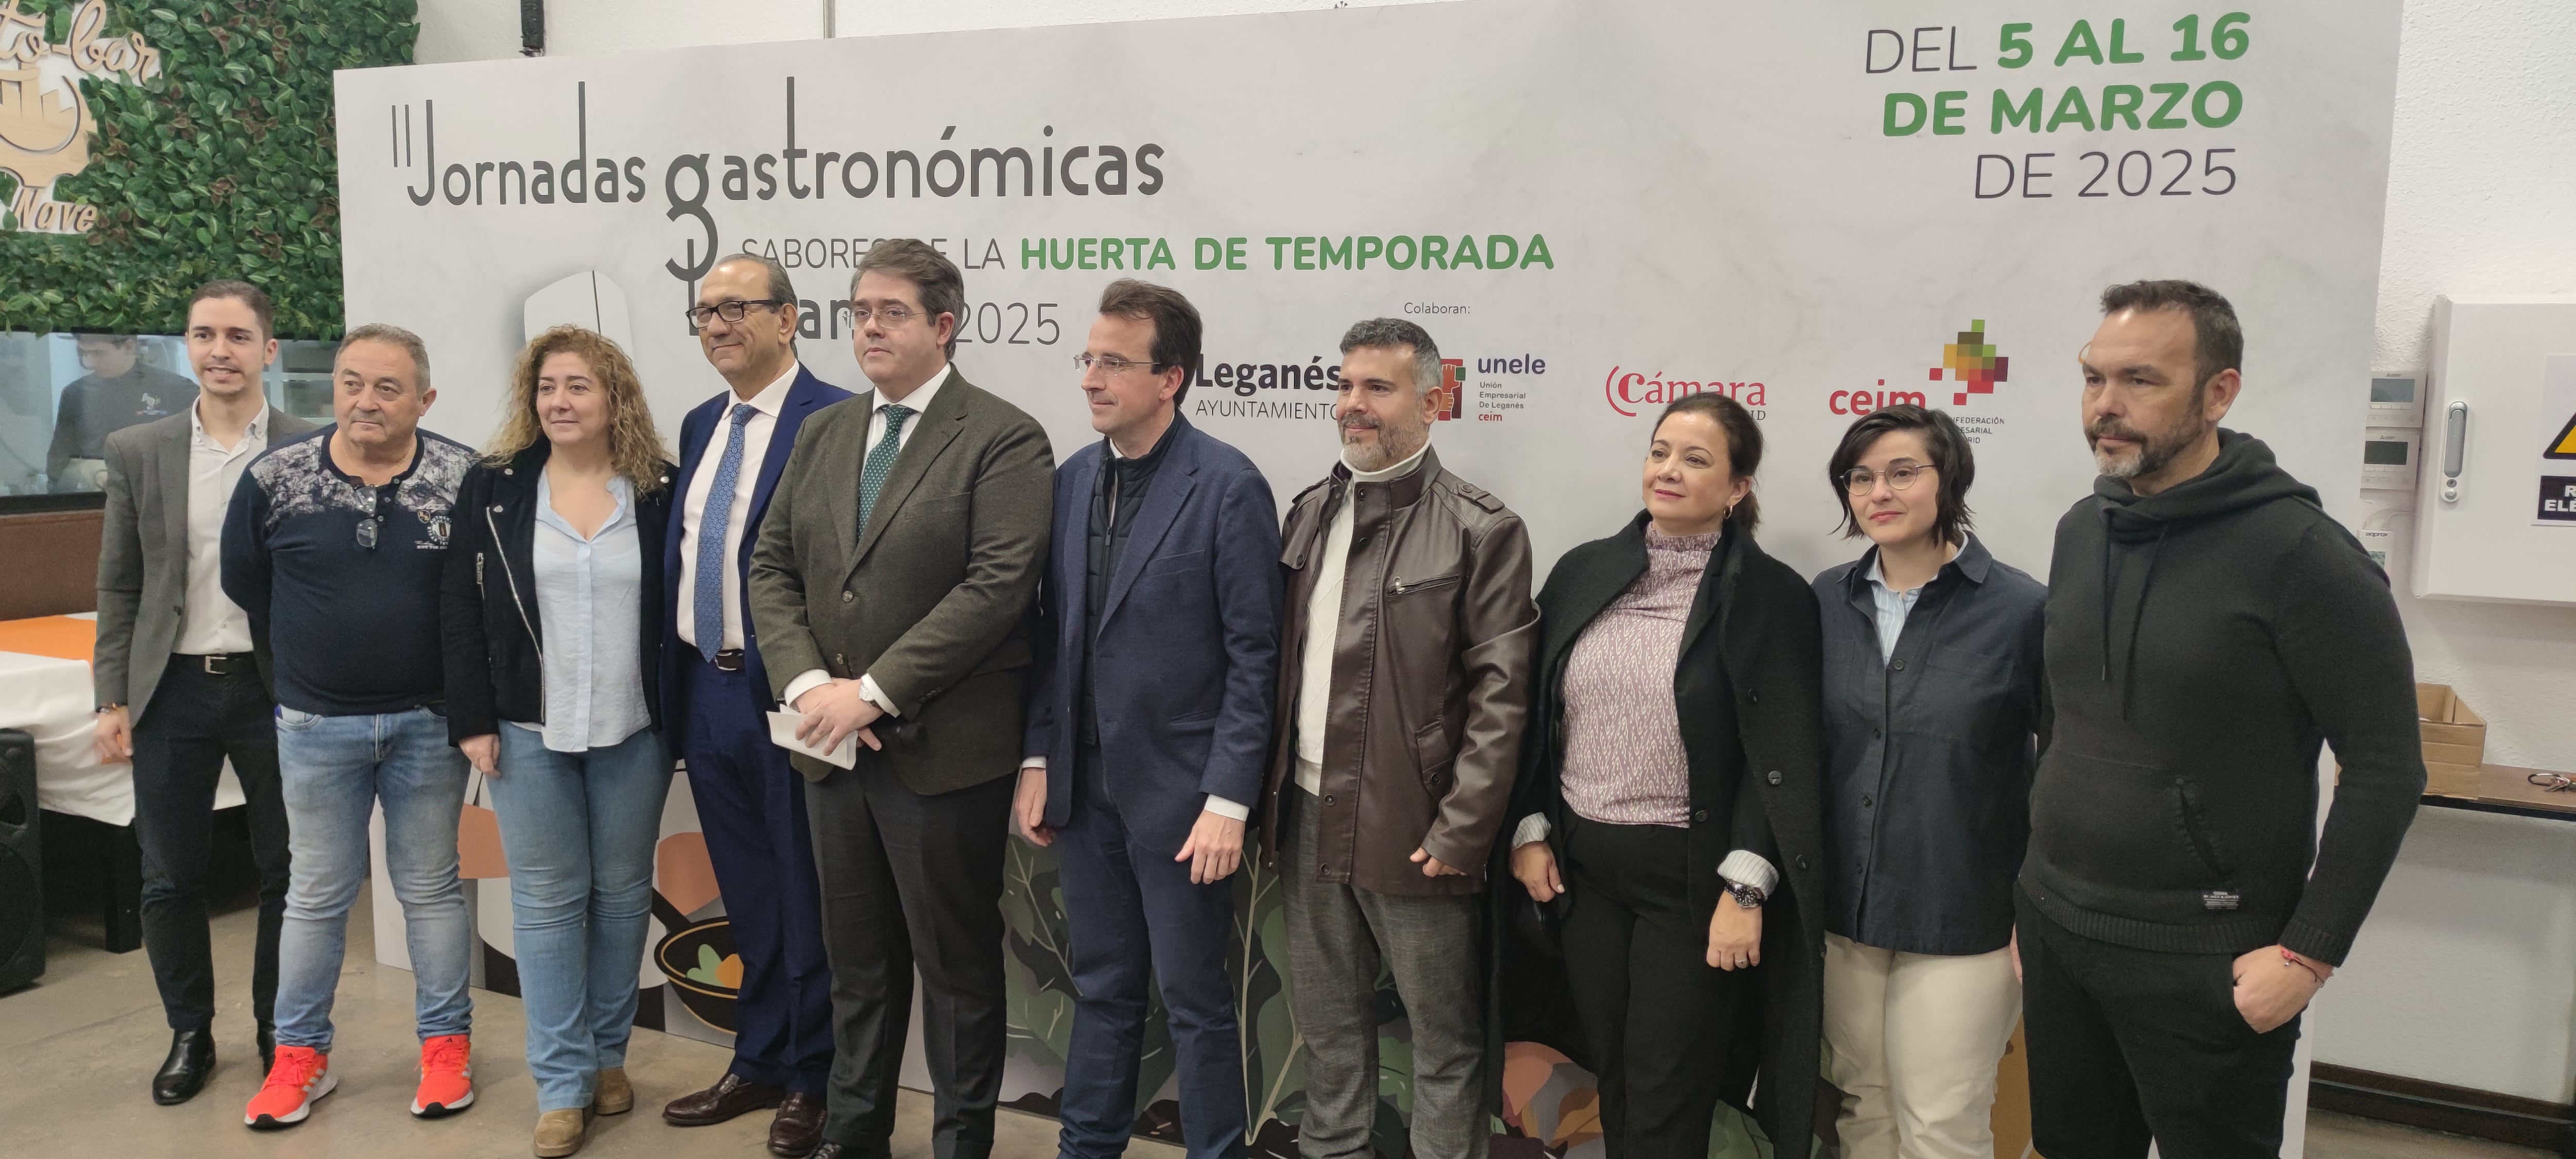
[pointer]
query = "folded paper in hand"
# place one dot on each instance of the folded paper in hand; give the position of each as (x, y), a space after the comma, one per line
(782, 732)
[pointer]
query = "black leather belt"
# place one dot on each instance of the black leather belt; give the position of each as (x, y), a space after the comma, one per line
(729, 660)
(222, 664)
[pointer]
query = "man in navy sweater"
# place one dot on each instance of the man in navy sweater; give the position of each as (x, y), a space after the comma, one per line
(2209, 626)
(336, 543)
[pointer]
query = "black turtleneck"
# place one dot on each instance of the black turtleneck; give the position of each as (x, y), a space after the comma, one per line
(1115, 499)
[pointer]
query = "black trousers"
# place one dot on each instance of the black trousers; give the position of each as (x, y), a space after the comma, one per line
(192, 723)
(2128, 1046)
(912, 881)
(1655, 1013)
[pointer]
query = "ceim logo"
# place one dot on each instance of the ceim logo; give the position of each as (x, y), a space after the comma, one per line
(45, 126)
(1972, 363)
(1453, 388)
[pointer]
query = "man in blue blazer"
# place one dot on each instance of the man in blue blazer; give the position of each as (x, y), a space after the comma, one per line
(715, 697)
(1149, 721)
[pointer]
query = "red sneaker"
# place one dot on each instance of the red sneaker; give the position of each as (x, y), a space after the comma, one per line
(446, 1076)
(301, 1075)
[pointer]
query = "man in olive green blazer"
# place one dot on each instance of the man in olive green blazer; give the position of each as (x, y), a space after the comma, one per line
(891, 591)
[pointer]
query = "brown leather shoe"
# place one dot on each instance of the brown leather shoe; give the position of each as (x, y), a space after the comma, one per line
(732, 1095)
(798, 1129)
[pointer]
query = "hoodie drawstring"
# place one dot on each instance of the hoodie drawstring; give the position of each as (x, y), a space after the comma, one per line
(2137, 613)
(2137, 620)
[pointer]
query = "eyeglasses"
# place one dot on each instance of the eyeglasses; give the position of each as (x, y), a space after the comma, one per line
(370, 528)
(1109, 364)
(892, 316)
(729, 311)
(1859, 480)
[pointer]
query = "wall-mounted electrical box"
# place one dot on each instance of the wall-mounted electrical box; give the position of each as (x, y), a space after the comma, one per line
(2496, 510)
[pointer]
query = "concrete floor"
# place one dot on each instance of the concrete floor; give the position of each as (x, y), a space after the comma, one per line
(77, 1052)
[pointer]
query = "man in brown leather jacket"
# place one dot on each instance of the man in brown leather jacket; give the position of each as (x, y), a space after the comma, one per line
(1404, 677)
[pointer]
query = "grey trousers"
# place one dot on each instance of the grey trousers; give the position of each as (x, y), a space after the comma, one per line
(1337, 936)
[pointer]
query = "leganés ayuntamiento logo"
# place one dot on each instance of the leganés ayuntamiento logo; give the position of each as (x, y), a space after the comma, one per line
(45, 126)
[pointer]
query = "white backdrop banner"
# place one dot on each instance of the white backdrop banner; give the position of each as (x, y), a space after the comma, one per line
(1592, 207)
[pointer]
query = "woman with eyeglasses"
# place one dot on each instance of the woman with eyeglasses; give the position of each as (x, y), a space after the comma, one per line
(552, 618)
(1932, 714)
(1666, 809)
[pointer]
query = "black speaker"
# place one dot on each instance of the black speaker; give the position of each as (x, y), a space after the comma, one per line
(22, 894)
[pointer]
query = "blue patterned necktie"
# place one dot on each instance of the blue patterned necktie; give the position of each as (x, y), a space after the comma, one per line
(707, 597)
(881, 461)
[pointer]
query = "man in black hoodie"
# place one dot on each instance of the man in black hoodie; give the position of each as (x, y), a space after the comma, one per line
(2208, 626)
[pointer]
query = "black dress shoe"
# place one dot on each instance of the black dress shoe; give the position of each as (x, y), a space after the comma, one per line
(184, 1073)
(267, 1050)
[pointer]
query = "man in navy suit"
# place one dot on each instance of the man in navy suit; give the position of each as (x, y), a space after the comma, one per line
(716, 696)
(1149, 720)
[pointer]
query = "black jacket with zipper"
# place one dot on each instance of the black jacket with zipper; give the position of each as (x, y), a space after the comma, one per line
(2201, 643)
(488, 603)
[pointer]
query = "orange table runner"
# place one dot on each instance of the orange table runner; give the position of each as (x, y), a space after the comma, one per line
(61, 637)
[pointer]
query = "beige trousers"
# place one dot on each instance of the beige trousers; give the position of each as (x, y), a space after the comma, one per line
(1916, 1040)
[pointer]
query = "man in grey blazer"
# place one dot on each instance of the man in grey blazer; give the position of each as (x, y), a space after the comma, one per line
(892, 591)
(182, 683)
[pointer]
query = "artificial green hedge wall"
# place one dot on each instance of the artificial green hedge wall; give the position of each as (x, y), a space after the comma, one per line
(226, 166)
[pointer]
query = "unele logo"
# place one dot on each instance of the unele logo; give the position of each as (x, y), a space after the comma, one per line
(1453, 388)
(1627, 390)
(45, 126)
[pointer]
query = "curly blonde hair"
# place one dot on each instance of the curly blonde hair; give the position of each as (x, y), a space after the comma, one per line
(633, 445)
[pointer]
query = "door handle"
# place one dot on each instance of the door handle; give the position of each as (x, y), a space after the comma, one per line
(2455, 448)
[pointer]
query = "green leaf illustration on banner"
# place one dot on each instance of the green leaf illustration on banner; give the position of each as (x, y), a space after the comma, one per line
(222, 162)
(707, 967)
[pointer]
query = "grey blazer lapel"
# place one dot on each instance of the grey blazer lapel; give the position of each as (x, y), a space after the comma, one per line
(172, 450)
(940, 426)
(841, 479)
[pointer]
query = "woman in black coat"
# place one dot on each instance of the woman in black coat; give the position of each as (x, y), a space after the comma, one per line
(1661, 918)
(552, 616)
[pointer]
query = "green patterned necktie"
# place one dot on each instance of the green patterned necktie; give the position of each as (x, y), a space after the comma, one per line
(880, 463)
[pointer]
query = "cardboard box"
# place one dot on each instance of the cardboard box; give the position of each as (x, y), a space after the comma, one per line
(2455, 741)
(2450, 780)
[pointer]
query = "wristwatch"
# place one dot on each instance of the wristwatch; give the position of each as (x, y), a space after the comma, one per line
(106, 708)
(1747, 896)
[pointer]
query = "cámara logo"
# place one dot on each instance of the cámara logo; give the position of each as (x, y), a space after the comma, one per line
(1628, 390)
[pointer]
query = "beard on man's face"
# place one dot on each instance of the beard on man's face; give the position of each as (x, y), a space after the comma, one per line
(2149, 453)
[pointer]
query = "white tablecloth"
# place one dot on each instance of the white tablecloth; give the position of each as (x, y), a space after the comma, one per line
(51, 699)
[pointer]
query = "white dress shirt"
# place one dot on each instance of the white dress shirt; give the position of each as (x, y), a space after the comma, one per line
(919, 403)
(209, 622)
(587, 590)
(766, 407)
(1323, 623)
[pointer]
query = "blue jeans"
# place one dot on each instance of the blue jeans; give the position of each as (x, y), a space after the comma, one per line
(334, 770)
(579, 830)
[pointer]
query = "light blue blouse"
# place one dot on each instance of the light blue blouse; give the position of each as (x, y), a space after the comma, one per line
(587, 591)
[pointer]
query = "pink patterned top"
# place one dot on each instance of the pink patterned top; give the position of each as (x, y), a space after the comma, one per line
(1624, 763)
